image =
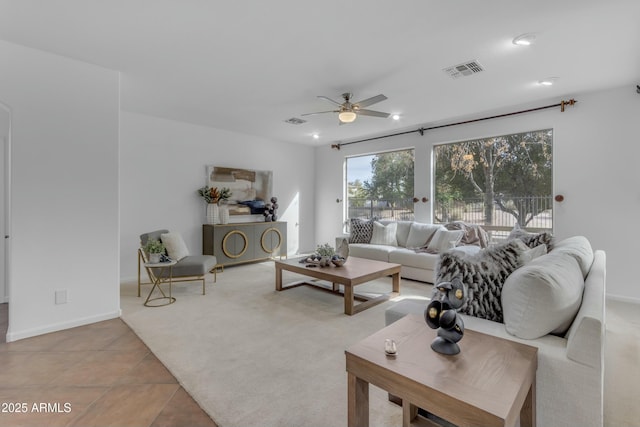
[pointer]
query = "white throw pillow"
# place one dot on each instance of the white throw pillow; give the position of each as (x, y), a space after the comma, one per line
(176, 248)
(543, 296)
(530, 254)
(445, 239)
(384, 234)
(419, 234)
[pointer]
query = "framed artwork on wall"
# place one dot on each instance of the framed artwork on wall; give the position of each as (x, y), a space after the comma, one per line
(250, 190)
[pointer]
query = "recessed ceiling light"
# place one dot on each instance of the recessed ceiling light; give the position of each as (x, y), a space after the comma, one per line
(315, 136)
(396, 117)
(524, 39)
(548, 81)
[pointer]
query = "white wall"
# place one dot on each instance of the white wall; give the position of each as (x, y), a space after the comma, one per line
(64, 190)
(162, 164)
(595, 167)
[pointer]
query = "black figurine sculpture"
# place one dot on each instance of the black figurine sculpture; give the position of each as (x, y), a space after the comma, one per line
(271, 212)
(441, 314)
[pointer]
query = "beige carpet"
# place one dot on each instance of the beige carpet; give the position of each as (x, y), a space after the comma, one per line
(251, 356)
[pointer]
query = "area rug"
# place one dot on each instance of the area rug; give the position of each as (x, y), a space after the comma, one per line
(251, 356)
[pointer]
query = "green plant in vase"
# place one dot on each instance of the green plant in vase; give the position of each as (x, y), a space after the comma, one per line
(154, 248)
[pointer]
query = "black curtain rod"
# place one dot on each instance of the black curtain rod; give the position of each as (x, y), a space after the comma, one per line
(421, 130)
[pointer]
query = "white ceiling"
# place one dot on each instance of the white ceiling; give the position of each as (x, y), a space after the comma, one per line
(247, 66)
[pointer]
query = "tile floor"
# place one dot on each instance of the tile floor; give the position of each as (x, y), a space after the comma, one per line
(96, 375)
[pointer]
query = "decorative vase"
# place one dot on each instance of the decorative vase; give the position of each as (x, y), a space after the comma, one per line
(224, 214)
(213, 213)
(154, 258)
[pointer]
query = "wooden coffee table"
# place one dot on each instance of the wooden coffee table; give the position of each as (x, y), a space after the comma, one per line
(489, 383)
(354, 272)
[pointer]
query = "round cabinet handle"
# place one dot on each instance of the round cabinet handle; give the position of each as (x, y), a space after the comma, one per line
(559, 198)
(416, 200)
(425, 200)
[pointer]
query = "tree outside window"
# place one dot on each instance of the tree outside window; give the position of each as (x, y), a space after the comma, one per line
(381, 185)
(496, 182)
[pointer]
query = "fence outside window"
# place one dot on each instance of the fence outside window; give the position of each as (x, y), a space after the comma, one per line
(470, 211)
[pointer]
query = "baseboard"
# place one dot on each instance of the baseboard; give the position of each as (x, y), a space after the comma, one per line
(623, 298)
(14, 336)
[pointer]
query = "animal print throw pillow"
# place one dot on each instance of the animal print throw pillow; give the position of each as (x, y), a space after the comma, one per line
(483, 274)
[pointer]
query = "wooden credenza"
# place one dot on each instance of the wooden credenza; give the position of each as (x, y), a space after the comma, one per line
(244, 242)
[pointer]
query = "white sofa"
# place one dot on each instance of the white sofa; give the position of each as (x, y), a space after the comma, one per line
(569, 381)
(409, 236)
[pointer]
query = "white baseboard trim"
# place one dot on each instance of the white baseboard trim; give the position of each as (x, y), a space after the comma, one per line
(18, 335)
(623, 298)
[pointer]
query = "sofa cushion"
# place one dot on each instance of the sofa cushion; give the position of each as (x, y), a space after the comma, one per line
(543, 296)
(360, 230)
(409, 258)
(175, 246)
(369, 251)
(531, 239)
(483, 274)
(420, 234)
(445, 239)
(384, 234)
(402, 233)
(579, 248)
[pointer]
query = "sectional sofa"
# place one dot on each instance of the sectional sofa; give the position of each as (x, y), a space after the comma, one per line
(555, 302)
(412, 244)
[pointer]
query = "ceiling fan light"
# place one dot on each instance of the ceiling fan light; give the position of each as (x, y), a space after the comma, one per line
(347, 116)
(525, 39)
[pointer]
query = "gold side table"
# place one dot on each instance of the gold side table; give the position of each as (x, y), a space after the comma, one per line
(156, 273)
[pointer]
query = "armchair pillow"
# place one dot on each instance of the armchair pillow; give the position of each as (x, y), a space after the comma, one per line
(174, 243)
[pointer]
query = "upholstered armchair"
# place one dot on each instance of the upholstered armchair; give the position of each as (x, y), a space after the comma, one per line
(188, 267)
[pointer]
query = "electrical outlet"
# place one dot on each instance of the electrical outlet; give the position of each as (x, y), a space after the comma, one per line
(61, 296)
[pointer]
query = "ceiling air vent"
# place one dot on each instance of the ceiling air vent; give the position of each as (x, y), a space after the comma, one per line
(295, 121)
(468, 68)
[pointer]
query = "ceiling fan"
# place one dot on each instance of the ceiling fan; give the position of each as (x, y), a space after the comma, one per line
(348, 111)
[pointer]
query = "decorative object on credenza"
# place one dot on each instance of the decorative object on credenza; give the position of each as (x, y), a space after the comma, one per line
(441, 314)
(213, 197)
(224, 213)
(271, 210)
(213, 213)
(155, 249)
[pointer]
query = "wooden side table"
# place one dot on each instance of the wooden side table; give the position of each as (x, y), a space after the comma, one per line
(491, 382)
(156, 273)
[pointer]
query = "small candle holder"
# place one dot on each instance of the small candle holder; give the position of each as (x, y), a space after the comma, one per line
(390, 347)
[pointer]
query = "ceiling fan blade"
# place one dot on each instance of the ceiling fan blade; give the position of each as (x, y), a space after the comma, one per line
(370, 101)
(320, 112)
(372, 113)
(329, 99)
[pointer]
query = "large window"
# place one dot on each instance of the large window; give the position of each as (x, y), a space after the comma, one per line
(496, 182)
(380, 186)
